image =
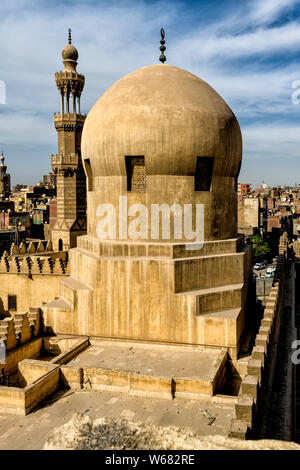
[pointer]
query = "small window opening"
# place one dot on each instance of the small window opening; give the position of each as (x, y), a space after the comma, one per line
(136, 174)
(12, 302)
(203, 173)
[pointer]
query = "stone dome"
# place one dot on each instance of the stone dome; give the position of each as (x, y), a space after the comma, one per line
(69, 52)
(167, 115)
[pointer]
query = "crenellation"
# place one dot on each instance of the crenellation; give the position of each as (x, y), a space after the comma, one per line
(49, 246)
(260, 366)
(22, 248)
(47, 265)
(8, 333)
(40, 247)
(15, 265)
(4, 264)
(30, 265)
(13, 249)
(31, 248)
(36, 267)
(21, 328)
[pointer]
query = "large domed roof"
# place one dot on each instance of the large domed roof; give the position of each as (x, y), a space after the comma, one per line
(169, 116)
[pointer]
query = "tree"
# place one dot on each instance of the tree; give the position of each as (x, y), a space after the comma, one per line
(260, 249)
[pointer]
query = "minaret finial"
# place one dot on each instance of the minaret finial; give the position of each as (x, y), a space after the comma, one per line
(162, 48)
(70, 36)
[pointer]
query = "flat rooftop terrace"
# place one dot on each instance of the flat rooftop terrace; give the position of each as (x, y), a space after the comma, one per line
(153, 360)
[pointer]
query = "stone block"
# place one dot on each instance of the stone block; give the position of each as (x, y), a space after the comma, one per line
(255, 367)
(238, 429)
(244, 409)
(72, 377)
(250, 386)
(259, 353)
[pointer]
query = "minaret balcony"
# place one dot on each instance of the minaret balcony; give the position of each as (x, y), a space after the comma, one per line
(69, 76)
(62, 161)
(75, 117)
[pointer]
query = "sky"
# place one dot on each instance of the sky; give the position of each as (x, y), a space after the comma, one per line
(249, 52)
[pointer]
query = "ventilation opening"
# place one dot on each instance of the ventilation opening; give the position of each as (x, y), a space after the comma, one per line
(12, 302)
(203, 173)
(136, 174)
(89, 174)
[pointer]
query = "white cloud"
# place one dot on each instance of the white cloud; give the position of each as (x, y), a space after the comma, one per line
(272, 141)
(204, 46)
(115, 39)
(266, 11)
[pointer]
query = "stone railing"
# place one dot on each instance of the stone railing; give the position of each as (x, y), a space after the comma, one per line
(260, 368)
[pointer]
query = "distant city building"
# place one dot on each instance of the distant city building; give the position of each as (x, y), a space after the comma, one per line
(49, 179)
(248, 215)
(244, 188)
(4, 180)
(52, 212)
(19, 187)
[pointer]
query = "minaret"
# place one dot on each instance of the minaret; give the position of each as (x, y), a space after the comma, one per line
(4, 180)
(67, 164)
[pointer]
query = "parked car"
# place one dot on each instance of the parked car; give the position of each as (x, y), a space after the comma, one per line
(269, 275)
(260, 265)
(270, 270)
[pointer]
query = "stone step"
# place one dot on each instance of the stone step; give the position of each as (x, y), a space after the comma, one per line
(216, 298)
(69, 289)
(110, 248)
(221, 328)
(207, 271)
(60, 304)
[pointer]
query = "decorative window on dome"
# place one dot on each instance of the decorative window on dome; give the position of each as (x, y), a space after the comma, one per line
(136, 174)
(203, 173)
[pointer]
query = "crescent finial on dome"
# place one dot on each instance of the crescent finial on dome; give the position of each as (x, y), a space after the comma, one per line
(70, 55)
(162, 48)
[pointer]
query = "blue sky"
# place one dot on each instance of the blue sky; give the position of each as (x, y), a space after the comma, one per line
(248, 51)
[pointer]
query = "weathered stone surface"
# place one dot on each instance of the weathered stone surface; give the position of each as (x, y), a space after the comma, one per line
(244, 408)
(250, 386)
(82, 433)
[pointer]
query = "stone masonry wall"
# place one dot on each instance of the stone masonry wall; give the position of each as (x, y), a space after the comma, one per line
(261, 363)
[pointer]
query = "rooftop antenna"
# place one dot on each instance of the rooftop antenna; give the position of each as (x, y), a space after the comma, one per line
(162, 48)
(70, 36)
